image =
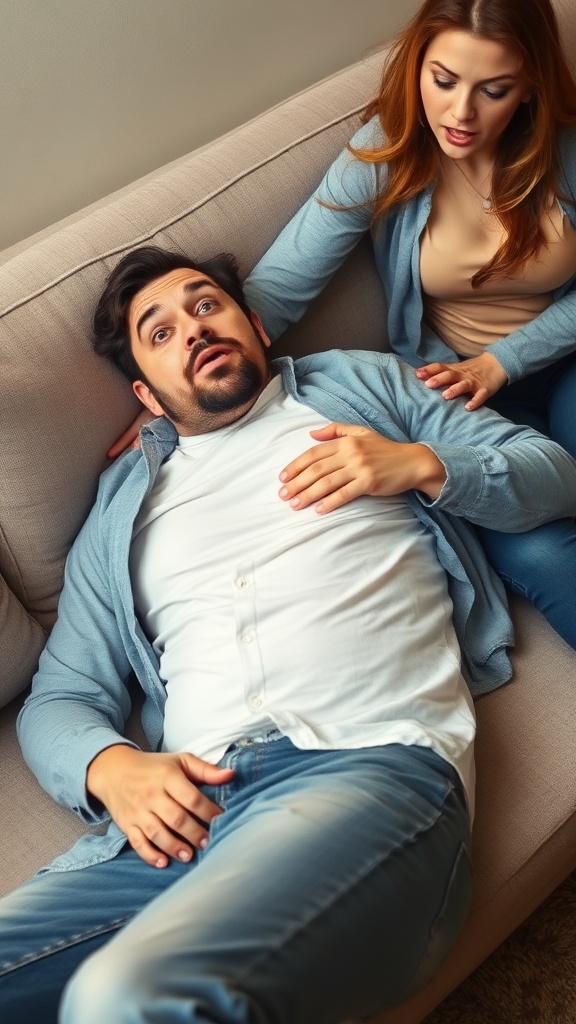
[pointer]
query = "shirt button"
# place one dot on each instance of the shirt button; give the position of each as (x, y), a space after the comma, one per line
(255, 702)
(242, 582)
(247, 638)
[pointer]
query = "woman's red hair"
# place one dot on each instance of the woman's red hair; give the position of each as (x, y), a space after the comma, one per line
(526, 172)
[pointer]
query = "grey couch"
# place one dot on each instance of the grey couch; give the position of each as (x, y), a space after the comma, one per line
(61, 407)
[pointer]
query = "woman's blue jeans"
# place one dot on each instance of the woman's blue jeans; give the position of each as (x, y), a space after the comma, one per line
(333, 884)
(541, 564)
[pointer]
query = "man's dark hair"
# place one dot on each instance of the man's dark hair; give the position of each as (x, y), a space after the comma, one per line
(135, 271)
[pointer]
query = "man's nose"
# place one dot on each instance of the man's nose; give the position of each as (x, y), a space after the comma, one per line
(194, 331)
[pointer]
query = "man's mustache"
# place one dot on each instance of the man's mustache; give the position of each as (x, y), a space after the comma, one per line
(201, 346)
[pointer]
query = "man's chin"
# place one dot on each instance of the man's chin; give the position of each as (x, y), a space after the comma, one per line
(225, 390)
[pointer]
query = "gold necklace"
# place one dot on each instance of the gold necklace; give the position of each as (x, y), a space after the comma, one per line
(486, 201)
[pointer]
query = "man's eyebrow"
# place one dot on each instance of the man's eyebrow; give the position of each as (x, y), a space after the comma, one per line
(190, 286)
(484, 81)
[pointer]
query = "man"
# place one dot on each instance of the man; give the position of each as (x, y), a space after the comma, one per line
(296, 846)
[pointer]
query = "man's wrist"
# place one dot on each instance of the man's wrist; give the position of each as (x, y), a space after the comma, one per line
(100, 766)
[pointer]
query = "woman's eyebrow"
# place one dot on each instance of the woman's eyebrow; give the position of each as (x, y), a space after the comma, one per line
(484, 81)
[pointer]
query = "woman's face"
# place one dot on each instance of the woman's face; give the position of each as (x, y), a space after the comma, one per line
(470, 90)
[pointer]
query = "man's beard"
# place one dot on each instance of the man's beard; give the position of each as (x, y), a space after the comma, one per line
(238, 387)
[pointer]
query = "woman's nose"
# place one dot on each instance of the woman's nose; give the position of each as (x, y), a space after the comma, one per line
(462, 106)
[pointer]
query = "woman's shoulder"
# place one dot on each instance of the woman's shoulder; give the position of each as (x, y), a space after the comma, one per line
(369, 136)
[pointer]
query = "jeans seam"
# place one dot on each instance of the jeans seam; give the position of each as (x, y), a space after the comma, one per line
(519, 588)
(376, 862)
(57, 947)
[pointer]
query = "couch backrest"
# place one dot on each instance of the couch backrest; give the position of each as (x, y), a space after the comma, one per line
(61, 406)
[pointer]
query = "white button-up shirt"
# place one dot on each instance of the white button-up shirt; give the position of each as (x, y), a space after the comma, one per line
(336, 628)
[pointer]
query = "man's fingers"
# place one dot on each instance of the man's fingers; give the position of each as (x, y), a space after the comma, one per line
(145, 849)
(183, 788)
(171, 832)
(204, 772)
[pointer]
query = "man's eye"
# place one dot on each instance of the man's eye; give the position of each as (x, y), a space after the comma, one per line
(159, 336)
(206, 305)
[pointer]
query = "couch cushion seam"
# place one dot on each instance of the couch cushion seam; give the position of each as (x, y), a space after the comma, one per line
(184, 213)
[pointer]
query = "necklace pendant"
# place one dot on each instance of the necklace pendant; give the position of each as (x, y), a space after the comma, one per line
(487, 205)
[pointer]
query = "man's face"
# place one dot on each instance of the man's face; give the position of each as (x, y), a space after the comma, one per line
(204, 361)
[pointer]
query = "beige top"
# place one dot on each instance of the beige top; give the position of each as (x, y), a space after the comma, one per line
(459, 238)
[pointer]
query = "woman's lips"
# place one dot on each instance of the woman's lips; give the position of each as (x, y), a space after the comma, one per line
(458, 137)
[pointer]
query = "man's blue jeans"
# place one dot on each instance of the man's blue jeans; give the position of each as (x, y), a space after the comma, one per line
(334, 884)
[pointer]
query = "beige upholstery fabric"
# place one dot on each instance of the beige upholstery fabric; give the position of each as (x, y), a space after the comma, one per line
(60, 408)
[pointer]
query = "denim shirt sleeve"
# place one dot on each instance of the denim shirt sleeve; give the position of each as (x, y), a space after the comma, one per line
(551, 335)
(316, 241)
(79, 701)
(499, 475)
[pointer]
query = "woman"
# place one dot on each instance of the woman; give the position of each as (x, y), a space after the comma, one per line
(465, 173)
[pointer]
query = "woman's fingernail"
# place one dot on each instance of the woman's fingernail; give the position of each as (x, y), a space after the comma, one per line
(295, 502)
(283, 492)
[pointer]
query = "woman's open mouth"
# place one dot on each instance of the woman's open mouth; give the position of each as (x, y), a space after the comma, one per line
(458, 137)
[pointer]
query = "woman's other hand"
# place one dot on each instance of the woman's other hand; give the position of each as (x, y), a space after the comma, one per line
(352, 461)
(482, 376)
(131, 437)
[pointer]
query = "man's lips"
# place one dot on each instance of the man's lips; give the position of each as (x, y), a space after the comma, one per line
(211, 354)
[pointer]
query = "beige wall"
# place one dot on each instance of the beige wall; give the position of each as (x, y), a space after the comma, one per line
(94, 93)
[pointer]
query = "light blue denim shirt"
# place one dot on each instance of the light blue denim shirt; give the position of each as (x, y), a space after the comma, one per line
(318, 238)
(498, 475)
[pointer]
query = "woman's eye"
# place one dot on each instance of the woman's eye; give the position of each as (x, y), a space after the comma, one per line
(443, 83)
(495, 94)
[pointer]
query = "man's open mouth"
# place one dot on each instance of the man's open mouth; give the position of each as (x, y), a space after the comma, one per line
(211, 355)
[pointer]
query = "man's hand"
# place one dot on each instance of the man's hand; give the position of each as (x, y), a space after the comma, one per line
(481, 376)
(131, 437)
(154, 800)
(352, 461)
